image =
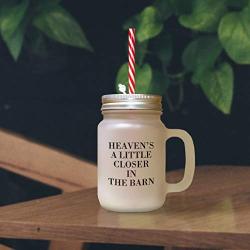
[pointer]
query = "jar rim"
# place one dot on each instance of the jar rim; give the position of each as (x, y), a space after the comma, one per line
(131, 102)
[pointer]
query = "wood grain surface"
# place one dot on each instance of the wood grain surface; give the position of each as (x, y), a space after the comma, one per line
(213, 213)
(3, 247)
(45, 164)
(67, 245)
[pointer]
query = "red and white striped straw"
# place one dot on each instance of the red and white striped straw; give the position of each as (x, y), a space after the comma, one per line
(131, 60)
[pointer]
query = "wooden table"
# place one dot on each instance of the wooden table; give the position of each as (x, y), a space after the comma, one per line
(213, 213)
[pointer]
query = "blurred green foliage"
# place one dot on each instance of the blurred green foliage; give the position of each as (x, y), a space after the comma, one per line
(36, 19)
(217, 37)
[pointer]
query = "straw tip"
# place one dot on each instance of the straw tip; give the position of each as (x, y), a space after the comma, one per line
(131, 28)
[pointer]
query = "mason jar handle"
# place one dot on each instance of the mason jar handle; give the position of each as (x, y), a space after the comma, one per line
(190, 160)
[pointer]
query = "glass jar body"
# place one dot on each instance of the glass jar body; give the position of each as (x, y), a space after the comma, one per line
(131, 160)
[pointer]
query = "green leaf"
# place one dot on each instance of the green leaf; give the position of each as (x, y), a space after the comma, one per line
(234, 34)
(58, 24)
(141, 51)
(163, 48)
(201, 53)
(12, 17)
(143, 78)
(159, 84)
(205, 15)
(148, 24)
(196, 76)
(122, 77)
(165, 8)
(14, 42)
(217, 85)
(13, 24)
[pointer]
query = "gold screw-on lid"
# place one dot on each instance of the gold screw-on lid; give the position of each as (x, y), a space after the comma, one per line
(131, 101)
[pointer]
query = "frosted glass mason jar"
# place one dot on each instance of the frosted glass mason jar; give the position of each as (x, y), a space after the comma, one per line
(131, 154)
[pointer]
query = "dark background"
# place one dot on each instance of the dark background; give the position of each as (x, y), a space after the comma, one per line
(56, 100)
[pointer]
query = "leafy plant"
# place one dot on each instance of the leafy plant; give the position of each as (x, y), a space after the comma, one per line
(216, 35)
(36, 19)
